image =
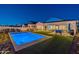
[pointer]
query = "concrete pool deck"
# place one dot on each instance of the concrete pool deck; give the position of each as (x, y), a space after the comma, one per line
(20, 47)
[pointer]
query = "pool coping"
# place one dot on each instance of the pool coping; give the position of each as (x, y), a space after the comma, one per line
(20, 47)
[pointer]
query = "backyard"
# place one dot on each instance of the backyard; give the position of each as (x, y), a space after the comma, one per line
(56, 44)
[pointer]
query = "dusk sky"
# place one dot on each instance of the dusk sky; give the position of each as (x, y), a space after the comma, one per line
(21, 14)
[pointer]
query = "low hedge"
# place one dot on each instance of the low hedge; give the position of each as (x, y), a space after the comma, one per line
(44, 33)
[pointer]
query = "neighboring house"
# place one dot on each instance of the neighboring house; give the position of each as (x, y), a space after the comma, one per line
(31, 27)
(37, 26)
(40, 26)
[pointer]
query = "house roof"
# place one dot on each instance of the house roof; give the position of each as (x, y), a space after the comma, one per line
(53, 20)
(59, 20)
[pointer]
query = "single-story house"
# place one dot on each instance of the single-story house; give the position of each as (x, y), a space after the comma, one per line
(64, 26)
(68, 26)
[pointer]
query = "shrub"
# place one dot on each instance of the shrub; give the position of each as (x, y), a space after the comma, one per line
(44, 33)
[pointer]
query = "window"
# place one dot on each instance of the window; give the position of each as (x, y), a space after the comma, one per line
(49, 27)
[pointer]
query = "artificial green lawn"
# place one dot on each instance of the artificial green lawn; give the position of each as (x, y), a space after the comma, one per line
(55, 45)
(59, 44)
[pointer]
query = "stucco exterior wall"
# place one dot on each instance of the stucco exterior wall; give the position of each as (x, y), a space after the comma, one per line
(64, 25)
(40, 26)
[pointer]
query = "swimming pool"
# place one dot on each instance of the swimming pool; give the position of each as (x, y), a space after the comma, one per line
(21, 38)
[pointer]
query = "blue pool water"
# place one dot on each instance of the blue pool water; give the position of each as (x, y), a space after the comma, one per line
(20, 38)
